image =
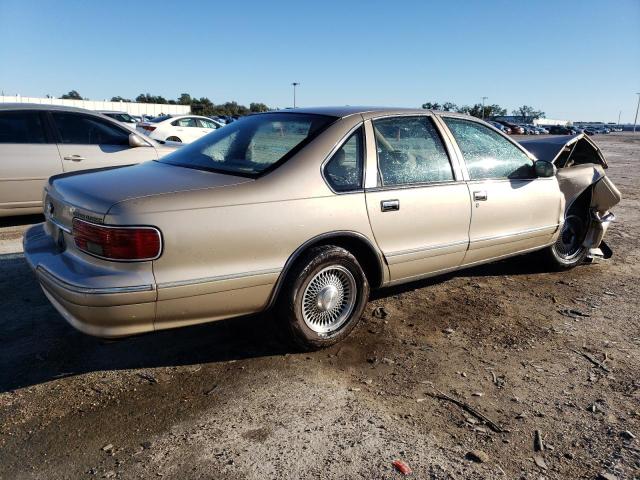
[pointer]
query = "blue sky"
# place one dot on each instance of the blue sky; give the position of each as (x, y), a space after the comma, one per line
(572, 59)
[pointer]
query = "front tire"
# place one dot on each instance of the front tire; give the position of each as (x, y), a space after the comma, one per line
(323, 297)
(568, 252)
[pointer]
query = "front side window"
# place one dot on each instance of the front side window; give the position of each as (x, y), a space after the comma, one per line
(488, 154)
(79, 129)
(410, 151)
(344, 170)
(252, 145)
(21, 127)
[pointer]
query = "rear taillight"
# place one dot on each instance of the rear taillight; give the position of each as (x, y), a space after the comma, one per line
(148, 128)
(117, 243)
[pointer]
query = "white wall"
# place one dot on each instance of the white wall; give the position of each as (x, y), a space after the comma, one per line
(153, 109)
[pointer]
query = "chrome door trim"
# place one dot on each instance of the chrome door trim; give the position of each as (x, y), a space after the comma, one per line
(218, 278)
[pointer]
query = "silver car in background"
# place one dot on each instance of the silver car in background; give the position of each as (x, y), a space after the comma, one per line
(38, 141)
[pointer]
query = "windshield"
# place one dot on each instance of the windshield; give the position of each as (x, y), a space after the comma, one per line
(161, 118)
(251, 145)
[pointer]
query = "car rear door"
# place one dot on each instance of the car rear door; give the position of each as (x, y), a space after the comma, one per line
(88, 141)
(512, 210)
(28, 157)
(419, 205)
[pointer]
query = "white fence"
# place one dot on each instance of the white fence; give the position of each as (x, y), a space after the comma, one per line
(153, 109)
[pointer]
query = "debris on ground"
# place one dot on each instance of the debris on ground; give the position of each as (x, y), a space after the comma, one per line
(401, 467)
(477, 456)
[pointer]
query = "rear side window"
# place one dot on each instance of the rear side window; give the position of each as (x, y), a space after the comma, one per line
(344, 170)
(410, 151)
(21, 127)
(488, 154)
(184, 122)
(79, 129)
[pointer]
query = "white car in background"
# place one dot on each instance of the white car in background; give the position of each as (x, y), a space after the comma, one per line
(182, 128)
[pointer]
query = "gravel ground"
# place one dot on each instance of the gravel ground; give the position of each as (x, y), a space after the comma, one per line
(227, 400)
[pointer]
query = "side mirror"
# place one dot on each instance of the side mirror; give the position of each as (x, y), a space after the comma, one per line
(545, 169)
(136, 141)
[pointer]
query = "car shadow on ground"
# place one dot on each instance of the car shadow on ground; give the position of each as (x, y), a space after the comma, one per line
(39, 346)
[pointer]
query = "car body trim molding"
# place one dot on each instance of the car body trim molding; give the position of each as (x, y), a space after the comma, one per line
(427, 248)
(90, 290)
(218, 278)
(554, 226)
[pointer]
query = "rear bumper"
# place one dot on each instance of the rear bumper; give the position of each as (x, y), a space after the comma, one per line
(93, 296)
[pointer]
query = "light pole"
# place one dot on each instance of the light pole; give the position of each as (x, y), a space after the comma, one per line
(483, 99)
(635, 120)
(619, 113)
(295, 84)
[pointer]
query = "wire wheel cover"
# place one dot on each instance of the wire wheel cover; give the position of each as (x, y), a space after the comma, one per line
(569, 243)
(329, 299)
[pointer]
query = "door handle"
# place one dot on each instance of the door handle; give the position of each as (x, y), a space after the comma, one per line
(389, 205)
(480, 196)
(74, 158)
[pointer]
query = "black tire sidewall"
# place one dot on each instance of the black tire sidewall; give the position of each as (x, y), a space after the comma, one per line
(303, 272)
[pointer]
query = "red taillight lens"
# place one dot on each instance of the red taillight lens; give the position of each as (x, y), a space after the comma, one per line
(148, 128)
(117, 243)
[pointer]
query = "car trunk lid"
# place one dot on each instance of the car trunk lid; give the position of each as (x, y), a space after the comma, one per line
(90, 194)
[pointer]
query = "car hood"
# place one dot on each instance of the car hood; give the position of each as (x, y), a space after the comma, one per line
(98, 190)
(565, 151)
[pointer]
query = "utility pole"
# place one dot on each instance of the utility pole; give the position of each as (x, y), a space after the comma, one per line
(635, 120)
(619, 113)
(483, 99)
(295, 84)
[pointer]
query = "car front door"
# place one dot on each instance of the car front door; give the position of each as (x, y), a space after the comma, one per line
(28, 157)
(88, 141)
(512, 210)
(419, 206)
(205, 125)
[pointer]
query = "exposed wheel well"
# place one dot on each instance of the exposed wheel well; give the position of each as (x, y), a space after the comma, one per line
(359, 247)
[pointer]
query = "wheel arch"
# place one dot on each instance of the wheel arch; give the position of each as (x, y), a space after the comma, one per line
(360, 246)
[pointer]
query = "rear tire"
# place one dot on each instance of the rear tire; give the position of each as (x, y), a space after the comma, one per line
(173, 139)
(323, 297)
(568, 252)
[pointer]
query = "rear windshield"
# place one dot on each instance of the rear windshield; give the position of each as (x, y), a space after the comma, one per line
(251, 145)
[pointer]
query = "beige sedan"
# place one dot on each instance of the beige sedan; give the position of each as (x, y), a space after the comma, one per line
(305, 210)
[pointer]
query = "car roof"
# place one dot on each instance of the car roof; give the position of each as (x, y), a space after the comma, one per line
(349, 110)
(40, 106)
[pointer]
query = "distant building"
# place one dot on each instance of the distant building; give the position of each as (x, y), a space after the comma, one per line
(151, 109)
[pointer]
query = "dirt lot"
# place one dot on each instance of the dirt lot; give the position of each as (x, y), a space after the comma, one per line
(227, 400)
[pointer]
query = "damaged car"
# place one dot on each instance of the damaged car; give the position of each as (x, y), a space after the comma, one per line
(303, 212)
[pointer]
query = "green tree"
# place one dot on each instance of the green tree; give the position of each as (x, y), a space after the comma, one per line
(185, 99)
(527, 114)
(449, 107)
(431, 106)
(72, 95)
(120, 99)
(490, 111)
(148, 98)
(258, 107)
